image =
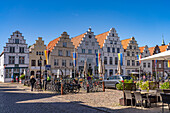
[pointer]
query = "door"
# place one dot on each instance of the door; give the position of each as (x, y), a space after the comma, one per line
(16, 75)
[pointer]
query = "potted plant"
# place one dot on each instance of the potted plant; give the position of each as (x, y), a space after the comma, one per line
(144, 86)
(22, 77)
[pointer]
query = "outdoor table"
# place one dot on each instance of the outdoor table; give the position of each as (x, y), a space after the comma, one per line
(146, 94)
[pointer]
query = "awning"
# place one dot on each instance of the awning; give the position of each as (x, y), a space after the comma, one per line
(160, 56)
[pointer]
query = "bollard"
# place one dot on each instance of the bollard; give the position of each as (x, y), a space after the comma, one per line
(87, 88)
(103, 86)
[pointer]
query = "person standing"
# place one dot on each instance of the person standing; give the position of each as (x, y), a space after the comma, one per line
(32, 81)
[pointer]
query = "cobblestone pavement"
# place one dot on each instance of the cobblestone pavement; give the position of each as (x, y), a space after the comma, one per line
(15, 98)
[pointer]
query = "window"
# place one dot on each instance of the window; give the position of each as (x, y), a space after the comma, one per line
(39, 62)
(116, 60)
(33, 63)
(11, 59)
(111, 72)
(133, 62)
(21, 59)
(136, 53)
(96, 51)
(71, 63)
(63, 62)
(144, 64)
(115, 71)
(118, 50)
(128, 53)
(113, 35)
(159, 65)
(56, 62)
(146, 52)
(8, 73)
(17, 41)
(90, 51)
(12, 50)
(137, 63)
(45, 62)
(105, 60)
(113, 50)
(111, 42)
(111, 62)
(93, 44)
(115, 42)
(108, 49)
(83, 50)
(37, 53)
(130, 47)
(106, 72)
(90, 36)
(64, 44)
(67, 53)
(42, 53)
(134, 47)
(128, 62)
(86, 43)
(149, 65)
(60, 53)
(21, 49)
(133, 54)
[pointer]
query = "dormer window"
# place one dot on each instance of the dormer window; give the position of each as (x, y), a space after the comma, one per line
(113, 35)
(89, 36)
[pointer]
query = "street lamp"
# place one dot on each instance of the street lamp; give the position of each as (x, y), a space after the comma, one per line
(40, 72)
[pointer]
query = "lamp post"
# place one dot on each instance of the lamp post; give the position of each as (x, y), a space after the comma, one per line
(40, 72)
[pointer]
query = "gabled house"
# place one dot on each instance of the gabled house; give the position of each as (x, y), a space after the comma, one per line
(14, 59)
(131, 50)
(61, 50)
(35, 52)
(146, 66)
(111, 45)
(87, 46)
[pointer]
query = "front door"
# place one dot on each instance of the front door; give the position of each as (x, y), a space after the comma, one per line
(16, 77)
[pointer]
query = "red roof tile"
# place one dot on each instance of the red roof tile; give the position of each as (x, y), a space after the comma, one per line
(101, 37)
(76, 40)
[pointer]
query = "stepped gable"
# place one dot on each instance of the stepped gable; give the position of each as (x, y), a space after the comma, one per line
(141, 49)
(101, 37)
(125, 43)
(52, 43)
(77, 40)
(163, 48)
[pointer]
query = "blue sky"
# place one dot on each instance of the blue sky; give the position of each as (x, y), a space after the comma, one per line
(146, 20)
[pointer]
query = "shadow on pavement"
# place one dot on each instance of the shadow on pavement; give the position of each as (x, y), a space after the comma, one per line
(9, 103)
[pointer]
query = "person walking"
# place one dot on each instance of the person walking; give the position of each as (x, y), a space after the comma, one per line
(32, 81)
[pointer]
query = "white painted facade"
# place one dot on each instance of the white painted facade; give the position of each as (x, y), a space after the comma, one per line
(146, 66)
(110, 57)
(15, 57)
(87, 50)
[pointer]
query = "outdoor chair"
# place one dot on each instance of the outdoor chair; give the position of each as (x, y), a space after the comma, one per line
(153, 97)
(159, 98)
(165, 99)
(139, 99)
(128, 96)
